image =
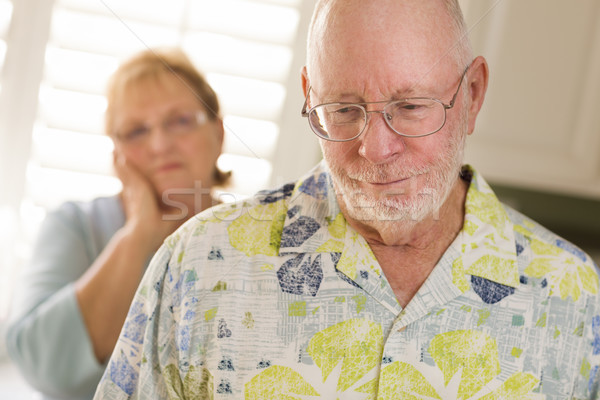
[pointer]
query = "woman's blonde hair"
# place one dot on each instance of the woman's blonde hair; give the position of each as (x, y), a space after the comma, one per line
(152, 64)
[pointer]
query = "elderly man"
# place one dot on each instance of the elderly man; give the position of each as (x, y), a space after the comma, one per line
(390, 271)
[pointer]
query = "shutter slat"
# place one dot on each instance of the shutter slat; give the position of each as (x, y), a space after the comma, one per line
(54, 148)
(222, 54)
(157, 12)
(249, 19)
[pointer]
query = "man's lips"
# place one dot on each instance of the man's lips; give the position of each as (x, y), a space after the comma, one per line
(386, 182)
(390, 182)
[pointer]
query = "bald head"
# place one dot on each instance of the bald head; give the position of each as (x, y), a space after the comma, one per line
(350, 30)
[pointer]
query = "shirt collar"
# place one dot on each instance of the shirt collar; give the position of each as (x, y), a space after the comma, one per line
(311, 211)
(487, 241)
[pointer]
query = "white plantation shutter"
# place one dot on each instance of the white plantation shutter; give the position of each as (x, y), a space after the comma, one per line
(51, 114)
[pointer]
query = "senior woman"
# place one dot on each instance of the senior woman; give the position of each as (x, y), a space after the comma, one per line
(163, 118)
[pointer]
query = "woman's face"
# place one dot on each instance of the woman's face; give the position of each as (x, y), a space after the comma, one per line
(165, 132)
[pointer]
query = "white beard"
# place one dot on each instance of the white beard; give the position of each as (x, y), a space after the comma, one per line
(411, 207)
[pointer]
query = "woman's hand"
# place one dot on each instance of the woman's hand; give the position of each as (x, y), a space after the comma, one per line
(146, 220)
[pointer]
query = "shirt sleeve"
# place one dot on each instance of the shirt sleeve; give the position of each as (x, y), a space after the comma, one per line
(47, 338)
(587, 380)
(589, 385)
(146, 345)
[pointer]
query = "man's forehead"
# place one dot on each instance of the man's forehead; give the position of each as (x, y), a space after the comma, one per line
(334, 90)
(360, 79)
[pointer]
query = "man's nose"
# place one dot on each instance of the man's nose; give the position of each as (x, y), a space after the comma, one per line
(379, 143)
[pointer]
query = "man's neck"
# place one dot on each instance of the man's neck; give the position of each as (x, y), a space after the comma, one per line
(408, 252)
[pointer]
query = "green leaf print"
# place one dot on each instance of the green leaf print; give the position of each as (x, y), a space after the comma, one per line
(469, 356)
(588, 278)
(472, 353)
(173, 382)
(565, 282)
(263, 224)
(468, 360)
(569, 286)
(539, 267)
(197, 384)
(337, 227)
(516, 387)
(487, 208)
(357, 343)
(400, 380)
(277, 382)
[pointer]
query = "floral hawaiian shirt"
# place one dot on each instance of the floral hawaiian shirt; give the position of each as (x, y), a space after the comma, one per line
(277, 297)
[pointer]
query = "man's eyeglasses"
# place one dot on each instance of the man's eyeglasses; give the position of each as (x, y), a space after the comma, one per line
(177, 124)
(411, 117)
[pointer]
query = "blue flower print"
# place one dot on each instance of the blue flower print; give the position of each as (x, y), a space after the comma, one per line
(298, 231)
(596, 332)
(123, 374)
(301, 275)
(490, 292)
(315, 188)
(272, 196)
(136, 323)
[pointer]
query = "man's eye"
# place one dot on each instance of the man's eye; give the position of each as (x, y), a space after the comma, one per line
(348, 112)
(409, 110)
(411, 106)
(345, 114)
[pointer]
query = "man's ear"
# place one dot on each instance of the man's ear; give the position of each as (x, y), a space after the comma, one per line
(305, 81)
(477, 80)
